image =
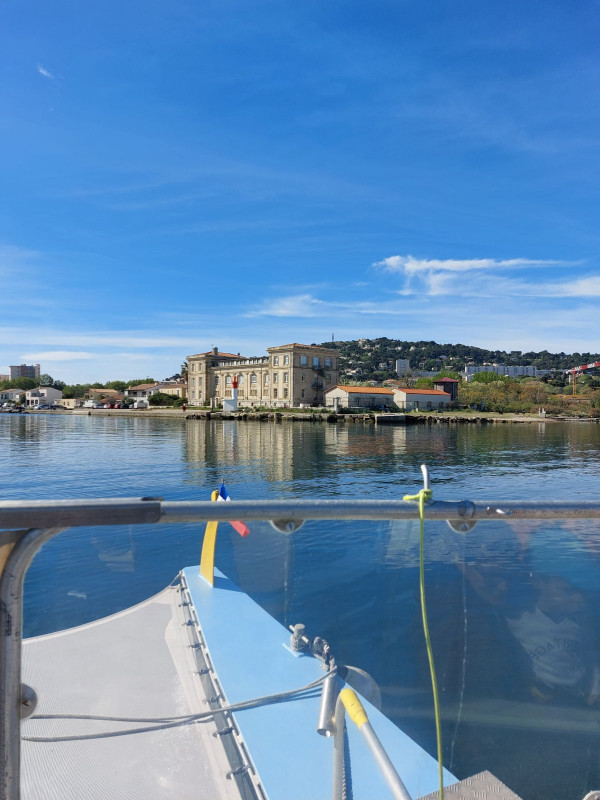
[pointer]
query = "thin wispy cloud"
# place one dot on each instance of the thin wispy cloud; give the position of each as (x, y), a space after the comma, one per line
(479, 285)
(409, 265)
(307, 306)
(487, 277)
(57, 355)
(45, 72)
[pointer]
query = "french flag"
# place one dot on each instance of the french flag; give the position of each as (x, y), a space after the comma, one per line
(240, 527)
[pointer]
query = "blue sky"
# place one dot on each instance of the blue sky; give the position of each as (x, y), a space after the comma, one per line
(181, 175)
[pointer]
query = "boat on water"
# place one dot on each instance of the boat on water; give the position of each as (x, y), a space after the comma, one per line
(197, 692)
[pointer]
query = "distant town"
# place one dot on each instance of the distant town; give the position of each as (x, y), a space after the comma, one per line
(361, 375)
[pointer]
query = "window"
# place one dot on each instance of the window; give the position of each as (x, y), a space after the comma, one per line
(216, 380)
(285, 377)
(328, 362)
(275, 361)
(302, 376)
(275, 393)
(200, 380)
(285, 392)
(328, 376)
(193, 382)
(193, 366)
(241, 380)
(302, 392)
(303, 361)
(315, 361)
(275, 377)
(286, 361)
(228, 380)
(253, 378)
(266, 378)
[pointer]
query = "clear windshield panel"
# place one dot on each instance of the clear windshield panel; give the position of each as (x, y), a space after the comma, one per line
(513, 612)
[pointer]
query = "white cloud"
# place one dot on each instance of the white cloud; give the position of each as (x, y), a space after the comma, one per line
(57, 355)
(300, 305)
(45, 72)
(486, 277)
(305, 305)
(409, 265)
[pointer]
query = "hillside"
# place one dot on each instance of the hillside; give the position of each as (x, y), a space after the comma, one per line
(375, 359)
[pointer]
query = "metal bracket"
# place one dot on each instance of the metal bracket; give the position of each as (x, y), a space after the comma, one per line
(465, 524)
(287, 525)
(28, 701)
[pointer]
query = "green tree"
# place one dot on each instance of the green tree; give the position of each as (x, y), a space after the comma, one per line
(137, 381)
(161, 399)
(183, 371)
(488, 377)
(119, 386)
(24, 383)
(449, 373)
(45, 380)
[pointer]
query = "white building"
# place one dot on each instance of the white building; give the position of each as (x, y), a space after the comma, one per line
(143, 390)
(421, 399)
(43, 395)
(11, 395)
(358, 397)
(402, 366)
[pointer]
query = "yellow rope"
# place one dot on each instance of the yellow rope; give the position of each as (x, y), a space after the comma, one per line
(421, 498)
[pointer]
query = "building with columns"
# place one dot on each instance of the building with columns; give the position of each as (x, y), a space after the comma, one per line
(290, 376)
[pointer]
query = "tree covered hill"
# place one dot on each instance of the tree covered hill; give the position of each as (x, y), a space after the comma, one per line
(375, 359)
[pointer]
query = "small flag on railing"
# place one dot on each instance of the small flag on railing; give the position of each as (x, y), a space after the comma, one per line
(240, 527)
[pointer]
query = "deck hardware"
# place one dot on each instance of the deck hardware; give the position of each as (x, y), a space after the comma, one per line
(224, 732)
(203, 671)
(28, 701)
(238, 771)
(287, 525)
(214, 699)
(184, 604)
(189, 623)
(329, 695)
(299, 642)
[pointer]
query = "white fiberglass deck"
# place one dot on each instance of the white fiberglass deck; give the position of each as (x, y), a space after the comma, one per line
(144, 662)
(137, 664)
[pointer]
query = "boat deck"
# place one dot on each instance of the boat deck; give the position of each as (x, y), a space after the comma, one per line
(189, 650)
(134, 664)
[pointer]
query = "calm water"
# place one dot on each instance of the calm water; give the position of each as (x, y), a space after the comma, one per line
(513, 608)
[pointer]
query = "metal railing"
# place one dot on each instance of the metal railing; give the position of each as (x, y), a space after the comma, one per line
(26, 525)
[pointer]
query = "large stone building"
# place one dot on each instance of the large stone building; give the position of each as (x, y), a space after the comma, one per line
(292, 375)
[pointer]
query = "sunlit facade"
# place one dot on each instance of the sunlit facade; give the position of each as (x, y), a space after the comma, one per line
(290, 376)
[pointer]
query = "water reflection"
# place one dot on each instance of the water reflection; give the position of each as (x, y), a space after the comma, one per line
(513, 608)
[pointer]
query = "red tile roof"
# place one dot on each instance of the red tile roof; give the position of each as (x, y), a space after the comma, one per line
(445, 380)
(141, 386)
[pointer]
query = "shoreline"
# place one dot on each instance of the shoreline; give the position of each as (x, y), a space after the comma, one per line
(420, 418)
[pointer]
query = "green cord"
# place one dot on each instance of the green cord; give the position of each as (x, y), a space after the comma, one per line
(422, 497)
